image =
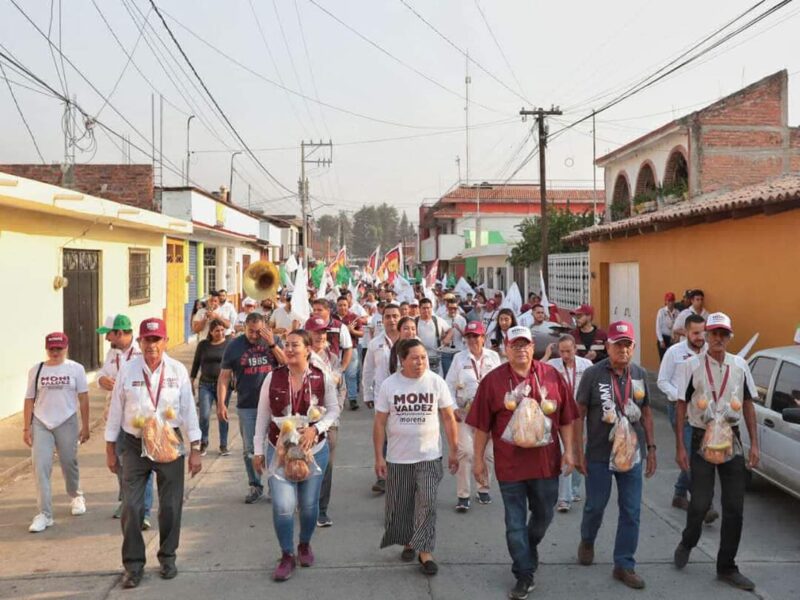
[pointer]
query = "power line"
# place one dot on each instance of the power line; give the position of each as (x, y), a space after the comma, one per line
(21, 114)
(462, 52)
(310, 68)
(499, 47)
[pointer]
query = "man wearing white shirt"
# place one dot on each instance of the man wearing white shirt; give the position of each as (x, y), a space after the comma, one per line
(457, 325)
(697, 298)
(665, 320)
(669, 377)
(434, 332)
(151, 386)
(204, 316)
(468, 368)
(228, 312)
(283, 319)
(571, 368)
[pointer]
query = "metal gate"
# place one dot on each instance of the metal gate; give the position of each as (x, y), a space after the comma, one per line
(568, 279)
(81, 300)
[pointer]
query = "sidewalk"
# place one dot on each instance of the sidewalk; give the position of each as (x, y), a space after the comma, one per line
(15, 456)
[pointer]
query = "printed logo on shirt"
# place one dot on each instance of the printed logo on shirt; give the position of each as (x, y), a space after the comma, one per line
(256, 364)
(55, 382)
(606, 398)
(412, 408)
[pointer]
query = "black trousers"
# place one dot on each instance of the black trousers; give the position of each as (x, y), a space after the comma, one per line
(733, 477)
(327, 480)
(169, 477)
(667, 339)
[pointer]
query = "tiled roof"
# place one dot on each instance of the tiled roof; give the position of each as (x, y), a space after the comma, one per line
(771, 196)
(519, 193)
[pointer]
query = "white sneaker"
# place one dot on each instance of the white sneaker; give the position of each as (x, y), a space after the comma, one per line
(78, 505)
(40, 523)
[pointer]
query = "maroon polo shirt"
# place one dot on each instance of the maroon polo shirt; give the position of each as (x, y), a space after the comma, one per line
(489, 414)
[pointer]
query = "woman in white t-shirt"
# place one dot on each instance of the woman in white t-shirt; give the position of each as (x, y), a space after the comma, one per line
(407, 413)
(56, 388)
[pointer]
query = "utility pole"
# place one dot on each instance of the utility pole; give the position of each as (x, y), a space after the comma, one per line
(540, 114)
(230, 183)
(594, 170)
(467, 81)
(188, 152)
(308, 159)
(458, 166)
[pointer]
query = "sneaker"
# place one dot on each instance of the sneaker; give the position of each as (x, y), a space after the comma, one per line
(118, 512)
(305, 555)
(521, 590)
(629, 578)
(254, 495)
(223, 451)
(285, 567)
(40, 523)
(585, 553)
(737, 580)
(77, 506)
(681, 502)
(146, 523)
(203, 448)
(576, 498)
(681, 556)
(462, 505)
(353, 404)
(324, 521)
(370, 404)
(484, 498)
(711, 516)
(562, 506)
(379, 486)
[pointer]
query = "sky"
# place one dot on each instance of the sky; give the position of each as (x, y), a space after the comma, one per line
(384, 80)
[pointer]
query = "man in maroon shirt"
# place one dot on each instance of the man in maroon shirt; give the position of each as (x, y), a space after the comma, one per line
(528, 477)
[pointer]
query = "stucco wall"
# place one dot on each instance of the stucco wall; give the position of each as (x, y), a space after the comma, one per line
(746, 267)
(30, 257)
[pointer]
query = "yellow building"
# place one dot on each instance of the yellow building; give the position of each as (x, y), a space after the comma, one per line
(66, 260)
(741, 247)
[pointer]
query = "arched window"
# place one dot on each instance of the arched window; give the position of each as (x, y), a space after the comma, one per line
(646, 180)
(621, 199)
(676, 173)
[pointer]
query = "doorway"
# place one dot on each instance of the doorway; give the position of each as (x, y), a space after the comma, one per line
(81, 301)
(623, 299)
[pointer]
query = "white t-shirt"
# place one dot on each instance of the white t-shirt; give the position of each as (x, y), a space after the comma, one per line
(240, 319)
(228, 312)
(283, 319)
(458, 323)
(412, 428)
(200, 315)
(426, 331)
(56, 399)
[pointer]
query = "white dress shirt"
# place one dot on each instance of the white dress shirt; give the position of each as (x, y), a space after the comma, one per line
(228, 311)
(467, 371)
(665, 320)
(116, 358)
(131, 398)
(680, 320)
(581, 364)
(669, 372)
(376, 366)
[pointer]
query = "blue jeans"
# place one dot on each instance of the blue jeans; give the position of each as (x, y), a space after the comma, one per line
(523, 534)
(207, 394)
(629, 498)
(684, 479)
(247, 429)
(288, 495)
(351, 376)
(148, 489)
(569, 487)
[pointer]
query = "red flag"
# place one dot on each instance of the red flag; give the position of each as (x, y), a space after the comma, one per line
(430, 277)
(391, 265)
(372, 262)
(339, 261)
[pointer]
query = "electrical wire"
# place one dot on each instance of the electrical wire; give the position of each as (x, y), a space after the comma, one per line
(499, 47)
(310, 67)
(21, 114)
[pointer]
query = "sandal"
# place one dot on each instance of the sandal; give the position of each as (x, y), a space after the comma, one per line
(407, 555)
(429, 567)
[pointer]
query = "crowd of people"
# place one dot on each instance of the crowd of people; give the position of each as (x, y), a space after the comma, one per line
(543, 400)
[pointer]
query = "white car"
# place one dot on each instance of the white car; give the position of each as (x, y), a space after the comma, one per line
(776, 373)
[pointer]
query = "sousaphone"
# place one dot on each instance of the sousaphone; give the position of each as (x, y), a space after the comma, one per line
(261, 280)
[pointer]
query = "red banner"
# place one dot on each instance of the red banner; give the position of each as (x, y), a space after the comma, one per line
(372, 262)
(392, 264)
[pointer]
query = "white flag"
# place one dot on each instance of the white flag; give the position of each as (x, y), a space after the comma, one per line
(462, 288)
(545, 301)
(300, 305)
(405, 293)
(513, 299)
(291, 264)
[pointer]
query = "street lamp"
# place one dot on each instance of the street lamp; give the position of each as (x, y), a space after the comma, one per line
(478, 187)
(188, 152)
(230, 185)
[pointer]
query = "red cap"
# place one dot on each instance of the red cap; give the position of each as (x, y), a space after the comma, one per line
(669, 297)
(621, 330)
(475, 328)
(153, 328)
(316, 324)
(583, 309)
(56, 340)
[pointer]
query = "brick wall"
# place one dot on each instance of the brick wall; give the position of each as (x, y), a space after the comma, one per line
(127, 184)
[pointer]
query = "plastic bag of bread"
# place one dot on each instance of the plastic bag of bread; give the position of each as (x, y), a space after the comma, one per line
(290, 462)
(529, 427)
(160, 442)
(315, 412)
(718, 441)
(625, 452)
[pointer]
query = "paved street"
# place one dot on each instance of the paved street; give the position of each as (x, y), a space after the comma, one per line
(228, 548)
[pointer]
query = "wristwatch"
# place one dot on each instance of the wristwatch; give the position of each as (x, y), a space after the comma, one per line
(196, 446)
(651, 446)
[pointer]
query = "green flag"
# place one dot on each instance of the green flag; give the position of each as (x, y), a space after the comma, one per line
(417, 276)
(451, 281)
(343, 275)
(284, 276)
(317, 273)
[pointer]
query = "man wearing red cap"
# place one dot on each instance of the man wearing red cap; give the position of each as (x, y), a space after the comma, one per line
(665, 320)
(717, 388)
(527, 477)
(590, 339)
(614, 402)
(467, 370)
(151, 401)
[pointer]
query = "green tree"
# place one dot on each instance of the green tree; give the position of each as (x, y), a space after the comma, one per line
(560, 223)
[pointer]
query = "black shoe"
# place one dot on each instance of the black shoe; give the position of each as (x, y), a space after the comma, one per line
(379, 486)
(681, 502)
(353, 404)
(254, 495)
(462, 505)
(408, 554)
(522, 589)
(681, 557)
(737, 580)
(131, 579)
(429, 567)
(168, 571)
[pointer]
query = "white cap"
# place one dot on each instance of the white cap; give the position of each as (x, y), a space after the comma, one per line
(249, 302)
(109, 323)
(718, 320)
(414, 302)
(519, 332)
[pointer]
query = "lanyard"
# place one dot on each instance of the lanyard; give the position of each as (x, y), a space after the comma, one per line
(154, 399)
(292, 393)
(571, 383)
(477, 367)
(532, 371)
(711, 381)
(618, 393)
(127, 358)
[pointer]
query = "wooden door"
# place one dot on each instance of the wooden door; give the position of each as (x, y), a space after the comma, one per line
(81, 301)
(175, 293)
(623, 298)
